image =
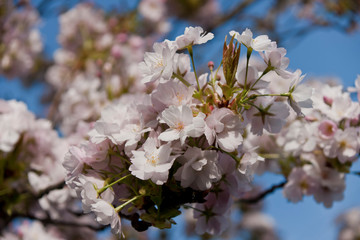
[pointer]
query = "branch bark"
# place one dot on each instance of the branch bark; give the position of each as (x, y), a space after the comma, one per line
(262, 195)
(48, 220)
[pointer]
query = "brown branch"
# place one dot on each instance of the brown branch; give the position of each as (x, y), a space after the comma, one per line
(47, 190)
(262, 195)
(48, 220)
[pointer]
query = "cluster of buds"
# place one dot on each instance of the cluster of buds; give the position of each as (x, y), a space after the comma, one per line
(182, 144)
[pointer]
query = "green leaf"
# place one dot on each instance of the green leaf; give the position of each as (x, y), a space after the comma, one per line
(231, 55)
(197, 95)
(227, 91)
(171, 213)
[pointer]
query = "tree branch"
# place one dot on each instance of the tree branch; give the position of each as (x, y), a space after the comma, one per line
(42, 193)
(263, 194)
(355, 173)
(48, 220)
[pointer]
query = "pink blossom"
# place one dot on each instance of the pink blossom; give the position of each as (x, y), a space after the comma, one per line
(260, 43)
(152, 162)
(158, 64)
(226, 127)
(193, 36)
(199, 169)
(327, 129)
(181, 124)
(269, 115)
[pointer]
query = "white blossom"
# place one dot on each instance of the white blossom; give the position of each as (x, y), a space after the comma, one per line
(199, 169)
(300, 95)
(193, 36)
(182, 124)
(158, 64)
(226, 127)
(260, 43)
(152, 162)
(268, 115)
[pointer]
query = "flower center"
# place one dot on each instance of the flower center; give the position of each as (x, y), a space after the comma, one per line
(159, 63)
(136, 128)
(179, 126)
(180, 97)
(153, 159)
(343, 144)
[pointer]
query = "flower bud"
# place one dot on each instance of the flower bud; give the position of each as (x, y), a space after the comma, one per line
(211, 65)
(328, 100)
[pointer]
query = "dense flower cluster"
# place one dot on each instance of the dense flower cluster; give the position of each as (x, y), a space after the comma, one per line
(35, 230)
(29, 231)
(349, 223)
(150, 154)
(315, 153)
(29, 146)
(96, 64)
(31, 155)
(20, 42)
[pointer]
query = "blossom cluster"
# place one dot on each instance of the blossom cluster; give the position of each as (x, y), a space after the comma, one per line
(316, 152)
(35, 230)
(29, 145)
(98, 58)
(97, 63)
(31, 155)
(182, 144)
(200, 12)
(349, 223)
(20, 42)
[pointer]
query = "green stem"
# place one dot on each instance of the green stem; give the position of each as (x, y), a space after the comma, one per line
(249, 51)
(100, 191)
(112, 152)
(268, 69)
(237, 160)
(189, 48)
(260, 110)
(270, 155)
(119, 208)
(178, 76)
(187, 206)
(270, 95)
(213, 79)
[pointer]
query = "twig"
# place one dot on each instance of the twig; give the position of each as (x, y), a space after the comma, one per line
(355, 173)
(42, 193)
(61, 222)
(263, 194)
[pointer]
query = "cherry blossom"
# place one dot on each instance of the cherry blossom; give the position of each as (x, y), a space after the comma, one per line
(193, 36)
(153, 163)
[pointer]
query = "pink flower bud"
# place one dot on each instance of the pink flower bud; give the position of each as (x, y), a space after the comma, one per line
(211, 65)
(310, 118)
(328, 100)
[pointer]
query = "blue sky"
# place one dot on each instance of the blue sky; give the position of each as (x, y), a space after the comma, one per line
(324, 52)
